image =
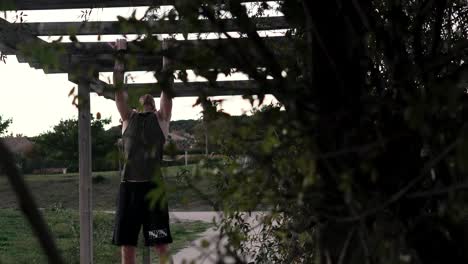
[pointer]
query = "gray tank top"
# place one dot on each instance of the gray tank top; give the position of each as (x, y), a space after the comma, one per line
(143, 142)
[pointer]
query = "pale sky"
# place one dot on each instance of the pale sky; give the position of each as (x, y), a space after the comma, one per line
(37, 101)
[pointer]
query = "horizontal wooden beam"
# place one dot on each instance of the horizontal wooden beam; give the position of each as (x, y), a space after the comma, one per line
(157, 27)
(202, 88)
(13, 40)
(68, 4)
(177, 46)
(190, 54)
(221, 88)
(147, 48)
(11, 37)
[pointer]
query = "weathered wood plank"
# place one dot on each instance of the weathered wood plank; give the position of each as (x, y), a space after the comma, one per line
(184, 54)
(85, 183)
(68, 4)
(157, 27)
(142, 47)
(11, 37)
(145, 48)
(223, 88)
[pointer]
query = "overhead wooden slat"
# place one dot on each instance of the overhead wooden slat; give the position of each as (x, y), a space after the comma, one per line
(11, 37)
(190, 54)
(157, 27)
(223, 88)
(98, 57)
(197, 88)
(68, 4)
(141, 47)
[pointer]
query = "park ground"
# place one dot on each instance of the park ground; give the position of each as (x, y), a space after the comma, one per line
(57, 197)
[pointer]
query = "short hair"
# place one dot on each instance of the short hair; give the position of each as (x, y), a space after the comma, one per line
(148, 99)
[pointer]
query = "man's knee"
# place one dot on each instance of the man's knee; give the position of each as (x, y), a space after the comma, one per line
(162, 249)
(128, 250)
(128, 254)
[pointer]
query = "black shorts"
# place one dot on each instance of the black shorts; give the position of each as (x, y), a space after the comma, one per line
(133, 211)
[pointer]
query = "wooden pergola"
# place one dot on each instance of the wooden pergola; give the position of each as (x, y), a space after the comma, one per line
(83, 61)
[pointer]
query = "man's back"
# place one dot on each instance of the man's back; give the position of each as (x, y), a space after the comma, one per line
(143, 142)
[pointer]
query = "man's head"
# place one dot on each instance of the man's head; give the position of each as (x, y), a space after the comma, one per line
(147, 102)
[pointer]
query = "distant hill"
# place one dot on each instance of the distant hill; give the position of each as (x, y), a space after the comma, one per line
(186, 126)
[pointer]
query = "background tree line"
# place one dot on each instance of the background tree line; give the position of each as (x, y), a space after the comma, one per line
(58, 148)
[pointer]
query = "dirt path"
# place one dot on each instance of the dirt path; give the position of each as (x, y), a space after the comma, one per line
(195, 251)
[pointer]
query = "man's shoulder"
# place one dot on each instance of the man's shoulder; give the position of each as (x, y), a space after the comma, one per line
(160, 116)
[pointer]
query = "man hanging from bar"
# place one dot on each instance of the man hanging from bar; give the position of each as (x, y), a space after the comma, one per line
(143, 134)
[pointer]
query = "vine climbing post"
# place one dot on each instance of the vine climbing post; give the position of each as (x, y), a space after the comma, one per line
(85, 183)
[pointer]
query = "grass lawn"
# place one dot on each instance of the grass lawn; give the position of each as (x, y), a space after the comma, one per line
(61, 191)
(18, 244)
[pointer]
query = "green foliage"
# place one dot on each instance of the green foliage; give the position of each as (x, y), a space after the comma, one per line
(7, 5)
(48, 54)
(59, 147)
(4, 124)
(171, 148)
(99, 179)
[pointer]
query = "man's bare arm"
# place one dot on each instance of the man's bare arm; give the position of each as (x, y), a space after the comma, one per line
(165, 106)
(121, 96)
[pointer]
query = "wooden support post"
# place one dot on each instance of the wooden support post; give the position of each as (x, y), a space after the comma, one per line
(206, 138)
(145, 251)
(146, 255)
(85, 185)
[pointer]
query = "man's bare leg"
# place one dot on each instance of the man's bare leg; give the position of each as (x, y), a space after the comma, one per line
(164, 254)
(128, 254)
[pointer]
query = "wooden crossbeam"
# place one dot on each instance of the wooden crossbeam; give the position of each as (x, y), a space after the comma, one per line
(184, 54)
(157, 27)
(140, 47)
(11, 37)
(99, 57)
(222, 88)
(68, 4)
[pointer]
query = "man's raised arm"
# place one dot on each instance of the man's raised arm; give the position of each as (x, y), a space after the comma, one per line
(121, 96)
(165, 106)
